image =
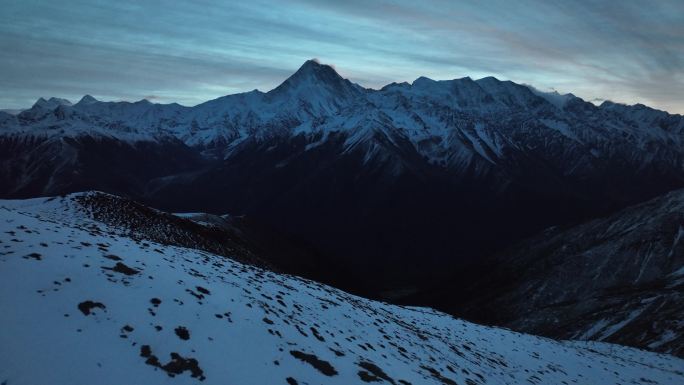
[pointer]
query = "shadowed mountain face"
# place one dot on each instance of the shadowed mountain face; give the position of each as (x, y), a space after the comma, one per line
(403, 185)
(618, 279)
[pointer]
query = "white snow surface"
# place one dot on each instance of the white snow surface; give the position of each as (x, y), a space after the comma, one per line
(246, 325)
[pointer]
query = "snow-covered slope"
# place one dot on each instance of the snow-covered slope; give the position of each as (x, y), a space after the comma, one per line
(83, 303)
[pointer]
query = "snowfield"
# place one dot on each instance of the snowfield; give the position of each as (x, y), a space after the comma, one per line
(84, 303)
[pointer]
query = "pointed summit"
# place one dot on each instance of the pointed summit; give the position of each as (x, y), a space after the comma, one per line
(311, 73)
(51, 103)
(312, 63)
(313, 67)
(87, 99)
(422, 81)
(319, 85)
(39, 103)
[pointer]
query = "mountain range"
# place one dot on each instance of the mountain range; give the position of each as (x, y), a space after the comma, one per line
(461, 194)
(444, 170)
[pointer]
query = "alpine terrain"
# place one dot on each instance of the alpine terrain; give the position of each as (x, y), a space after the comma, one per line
(402, 185)
(619, 278)
(159, 243)
(98, 294)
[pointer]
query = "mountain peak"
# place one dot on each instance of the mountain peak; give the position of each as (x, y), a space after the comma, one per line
(87, 99)
(314, 80)
(423, 80)
(312, 63)
(40, 102)
(489, 79)
(315, 72)
(51, 103)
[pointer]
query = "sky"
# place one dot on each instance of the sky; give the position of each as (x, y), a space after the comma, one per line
(192, 51)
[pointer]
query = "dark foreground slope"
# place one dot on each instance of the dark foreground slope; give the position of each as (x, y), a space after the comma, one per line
(236, 237)
(618, 279)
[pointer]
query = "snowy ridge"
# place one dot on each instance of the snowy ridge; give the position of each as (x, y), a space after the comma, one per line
(553, 97)
(316, 99)
(131, 311)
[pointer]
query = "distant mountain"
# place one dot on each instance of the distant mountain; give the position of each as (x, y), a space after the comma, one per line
(403, 185)
(51, 103)
(618, 279)
(133, 296)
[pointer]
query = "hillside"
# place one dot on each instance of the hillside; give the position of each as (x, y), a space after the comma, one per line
(84, 294)
(619, 279)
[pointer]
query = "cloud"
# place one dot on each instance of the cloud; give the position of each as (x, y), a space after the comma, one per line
(189, 52)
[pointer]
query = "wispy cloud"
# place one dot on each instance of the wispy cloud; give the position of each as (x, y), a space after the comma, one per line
(188, 52)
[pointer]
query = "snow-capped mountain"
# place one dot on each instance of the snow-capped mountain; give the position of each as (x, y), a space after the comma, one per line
(86, 299)
(316, 98)
(618, 279)
(401, 183)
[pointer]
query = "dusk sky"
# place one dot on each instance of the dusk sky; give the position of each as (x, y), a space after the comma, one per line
(192, 51)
